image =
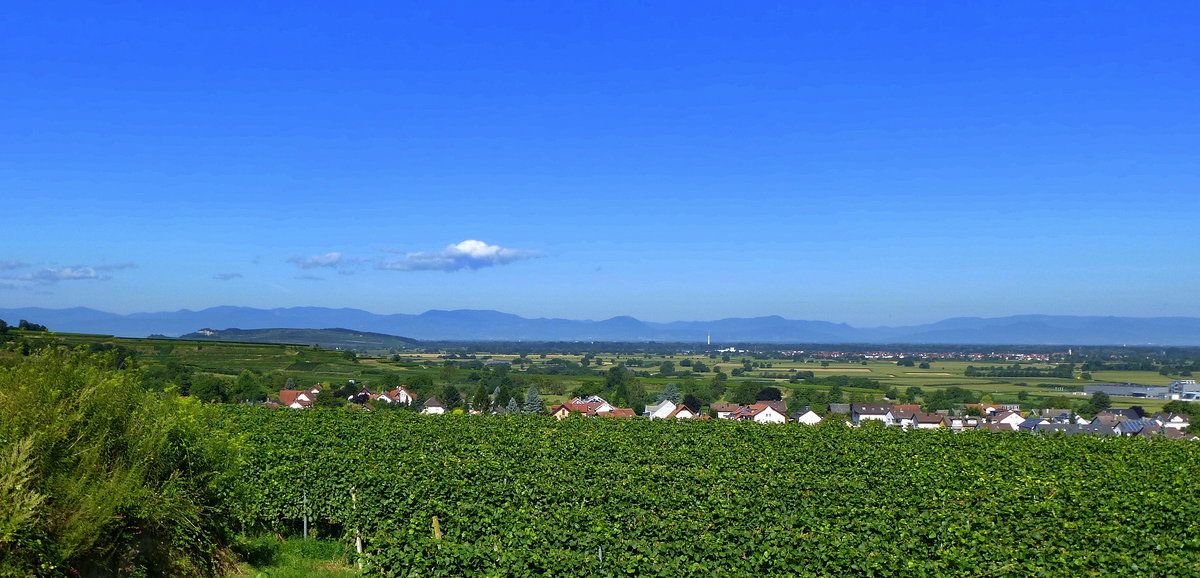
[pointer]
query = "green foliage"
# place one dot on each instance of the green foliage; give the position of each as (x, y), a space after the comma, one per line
(247, 387)
(100, 477)
(670, 393)
(27, 326)
(209, 388)
(326, 399)
(721, 498)
(1062, 370)
(481, 401)
(268, 556)
(745, 392)
(533, 402)
(949, 397)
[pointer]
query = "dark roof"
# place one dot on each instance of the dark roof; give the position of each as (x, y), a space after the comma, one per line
(928, 417)
(1073, 429)
(1128, 413)
(871, 408)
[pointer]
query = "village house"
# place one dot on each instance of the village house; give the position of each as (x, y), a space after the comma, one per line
(296, 398)
(904, 417)
(661, 410)
(927, 420)
(876, 411)
(1072, 429)
(807, 416)
(596, 403)
(1173, 420)
(759, 413)
(962, 422)
(1030, 423)
(398, 395)
(685, 412)
(1134, 427)
(1056, 415)
(1008, 419)
(589, 406)
(433, 406)
(1122, 414)
(985, 409)
(617, 412)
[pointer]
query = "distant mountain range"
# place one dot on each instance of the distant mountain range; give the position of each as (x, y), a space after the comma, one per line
(328, 338)
(476, 325)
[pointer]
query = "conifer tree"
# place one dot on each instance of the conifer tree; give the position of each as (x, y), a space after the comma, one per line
(670, 393)
(533, 402)
(512, 406)
(481, 401)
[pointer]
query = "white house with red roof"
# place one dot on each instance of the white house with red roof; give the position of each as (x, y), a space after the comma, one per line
(398, 395)
(296, 398)
(1009, 419)
(683, 412)
(759, 413)
(662, 409)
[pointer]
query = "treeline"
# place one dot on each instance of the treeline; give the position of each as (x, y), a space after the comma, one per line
(1062, 370)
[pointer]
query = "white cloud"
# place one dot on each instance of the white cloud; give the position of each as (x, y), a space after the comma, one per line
(326, 260)
(115, 267)
(309, 278)
(469, 254)
(52, 275)
(49, 275)
(227, 276)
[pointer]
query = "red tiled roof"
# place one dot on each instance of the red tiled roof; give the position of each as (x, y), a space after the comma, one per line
(618, 412)
(288, 397)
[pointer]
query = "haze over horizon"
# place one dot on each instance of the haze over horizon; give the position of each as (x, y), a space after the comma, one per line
(860, 163)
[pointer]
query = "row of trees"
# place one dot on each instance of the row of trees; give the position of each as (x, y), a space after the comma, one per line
(23, 325)
(1062, 370)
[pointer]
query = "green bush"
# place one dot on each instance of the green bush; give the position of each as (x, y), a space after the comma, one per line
(100, 477)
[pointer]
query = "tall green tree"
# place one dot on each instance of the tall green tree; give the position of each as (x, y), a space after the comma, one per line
(209, 388)
(481, 400)
(670, 393)
(247, 387)
(533, 402)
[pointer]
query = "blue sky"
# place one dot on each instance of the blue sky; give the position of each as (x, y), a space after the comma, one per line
(861, 162)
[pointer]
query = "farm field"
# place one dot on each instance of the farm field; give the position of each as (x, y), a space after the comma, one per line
(462, 495)
(275, 364)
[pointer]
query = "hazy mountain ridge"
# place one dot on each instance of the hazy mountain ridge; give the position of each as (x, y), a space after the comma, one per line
(331, 338)
(484, 325)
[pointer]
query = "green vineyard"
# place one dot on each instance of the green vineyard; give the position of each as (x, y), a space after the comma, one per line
(469, 495)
